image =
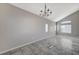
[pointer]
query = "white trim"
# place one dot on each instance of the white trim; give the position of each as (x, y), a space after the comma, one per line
(24, 45)
(67, 14)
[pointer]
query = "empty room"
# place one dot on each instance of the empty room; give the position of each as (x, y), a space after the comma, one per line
(39, 28)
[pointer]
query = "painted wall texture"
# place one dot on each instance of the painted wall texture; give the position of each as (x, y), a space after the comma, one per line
(18, 27)
(74, 18)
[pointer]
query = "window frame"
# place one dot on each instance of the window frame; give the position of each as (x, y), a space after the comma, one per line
(65, 23)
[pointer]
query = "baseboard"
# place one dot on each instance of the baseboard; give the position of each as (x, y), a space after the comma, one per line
(24, 44)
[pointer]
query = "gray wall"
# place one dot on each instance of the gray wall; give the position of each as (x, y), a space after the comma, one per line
(74, 18)
(18, 27)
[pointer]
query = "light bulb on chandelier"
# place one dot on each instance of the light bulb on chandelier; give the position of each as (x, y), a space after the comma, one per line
(45, 12)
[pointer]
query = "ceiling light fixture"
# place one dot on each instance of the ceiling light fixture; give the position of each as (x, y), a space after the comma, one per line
(46, 11)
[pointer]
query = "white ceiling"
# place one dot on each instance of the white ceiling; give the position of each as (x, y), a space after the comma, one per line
(60, 10)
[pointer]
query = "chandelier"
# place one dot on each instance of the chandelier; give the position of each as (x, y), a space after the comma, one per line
(46, 11)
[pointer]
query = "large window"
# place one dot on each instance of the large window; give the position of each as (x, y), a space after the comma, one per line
(65, 27)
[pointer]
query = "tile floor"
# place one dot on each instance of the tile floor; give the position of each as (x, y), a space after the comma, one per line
(58, 45)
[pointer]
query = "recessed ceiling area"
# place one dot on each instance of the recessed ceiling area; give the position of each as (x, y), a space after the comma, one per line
(59, 10)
